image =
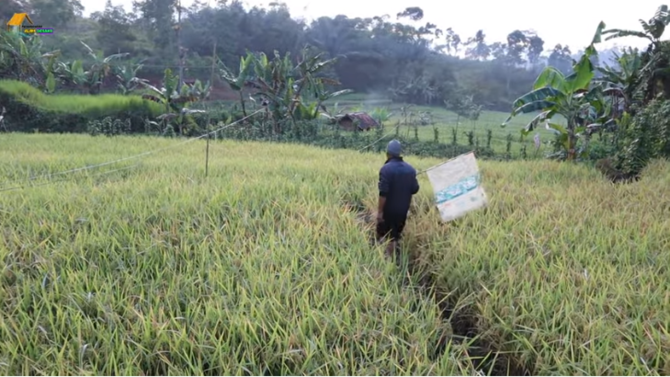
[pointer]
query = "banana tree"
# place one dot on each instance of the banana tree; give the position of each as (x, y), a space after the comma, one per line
(317, 87)
(238, 82)
(126, 76)
(619, 82)
(306, 71)
(22, 58)
(284, 87)
(176, 104)
(72, 73)
(101, 67)
(654, 74)
(573, 97)
(651, 30)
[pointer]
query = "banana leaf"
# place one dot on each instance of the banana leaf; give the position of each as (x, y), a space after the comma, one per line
(541, 94)
(529, 108)
(550, 77)
(541, 117)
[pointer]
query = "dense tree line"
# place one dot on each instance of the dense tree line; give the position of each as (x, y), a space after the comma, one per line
(399, 55)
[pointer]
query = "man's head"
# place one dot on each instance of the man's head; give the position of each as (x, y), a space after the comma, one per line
(393, 149)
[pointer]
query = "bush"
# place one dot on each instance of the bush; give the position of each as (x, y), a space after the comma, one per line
(29, 110)
(647, 137)
(108, 127)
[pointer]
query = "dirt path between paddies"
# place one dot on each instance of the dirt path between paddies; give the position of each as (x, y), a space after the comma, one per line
(462, 319)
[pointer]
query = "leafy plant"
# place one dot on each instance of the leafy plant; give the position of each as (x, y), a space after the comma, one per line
(582, 106)
(176, 104)
(652, 30)
(101, 67)
(238, 82)
(381, 115)
(126, 76)
(21, 58)
(73, 74)
(619, 82)
(281, 85)
(648, 137)
(108, 127)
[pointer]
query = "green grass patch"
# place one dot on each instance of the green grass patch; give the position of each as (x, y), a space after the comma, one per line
(28, 109)
(88, 105)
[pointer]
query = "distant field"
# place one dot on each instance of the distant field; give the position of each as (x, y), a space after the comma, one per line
(446, 122)
(263, 268)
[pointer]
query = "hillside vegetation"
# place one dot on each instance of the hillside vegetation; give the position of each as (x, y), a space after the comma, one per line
(264, 267)
(396, 52)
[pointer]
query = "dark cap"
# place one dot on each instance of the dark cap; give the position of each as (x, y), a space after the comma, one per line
(394, 148)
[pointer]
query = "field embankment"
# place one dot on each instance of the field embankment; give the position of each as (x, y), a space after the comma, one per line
(261, 269)
(30, 110)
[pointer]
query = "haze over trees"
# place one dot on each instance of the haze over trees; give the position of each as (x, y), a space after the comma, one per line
(398, 55)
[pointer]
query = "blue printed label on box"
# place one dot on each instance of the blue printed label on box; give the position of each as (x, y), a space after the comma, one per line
(463, 186)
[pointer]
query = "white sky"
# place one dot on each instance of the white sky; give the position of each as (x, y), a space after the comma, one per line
(572, 23)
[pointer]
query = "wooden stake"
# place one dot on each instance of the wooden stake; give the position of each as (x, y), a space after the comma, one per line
(211, 77)
(207, 154)
(209, 117)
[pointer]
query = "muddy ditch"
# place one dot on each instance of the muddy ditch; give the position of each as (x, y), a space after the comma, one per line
(482, 354)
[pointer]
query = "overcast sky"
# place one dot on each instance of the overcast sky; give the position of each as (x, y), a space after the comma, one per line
(572, 23)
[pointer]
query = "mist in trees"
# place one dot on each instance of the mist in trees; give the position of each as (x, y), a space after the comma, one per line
(399, 55)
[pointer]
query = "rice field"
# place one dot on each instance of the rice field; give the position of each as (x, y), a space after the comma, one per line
(263, 268)
(257, 269)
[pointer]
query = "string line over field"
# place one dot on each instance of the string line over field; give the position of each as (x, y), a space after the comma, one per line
(4, 186)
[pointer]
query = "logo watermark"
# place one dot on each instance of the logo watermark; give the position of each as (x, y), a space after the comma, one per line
(22, 24)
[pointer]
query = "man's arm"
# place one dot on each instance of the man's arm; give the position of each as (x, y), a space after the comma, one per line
(383, 187)
(380, 207)
(415, 185)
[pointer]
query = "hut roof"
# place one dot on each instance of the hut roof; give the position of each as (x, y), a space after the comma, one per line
(365, 121)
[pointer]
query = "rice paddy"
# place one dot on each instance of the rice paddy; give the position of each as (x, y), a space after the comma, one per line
(263, 268)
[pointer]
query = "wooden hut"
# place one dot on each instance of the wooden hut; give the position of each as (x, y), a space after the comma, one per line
(359, 121)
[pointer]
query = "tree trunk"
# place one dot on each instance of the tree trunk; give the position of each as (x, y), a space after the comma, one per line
(572, 143)
(244, 110)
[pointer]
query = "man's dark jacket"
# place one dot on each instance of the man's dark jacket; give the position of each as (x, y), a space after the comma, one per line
(397, 182)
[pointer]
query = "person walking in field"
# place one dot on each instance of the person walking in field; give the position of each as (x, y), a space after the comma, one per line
(397, 185)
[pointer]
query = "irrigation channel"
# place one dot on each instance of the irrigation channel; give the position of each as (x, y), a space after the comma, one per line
(463, 320)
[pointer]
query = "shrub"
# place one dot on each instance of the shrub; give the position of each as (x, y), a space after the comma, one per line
(108, 127)
(646, 137)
